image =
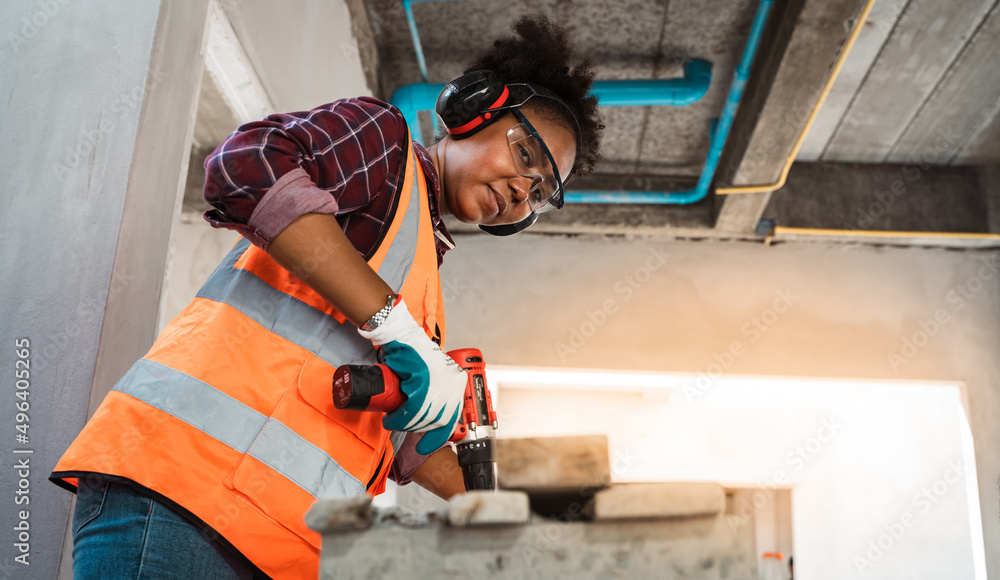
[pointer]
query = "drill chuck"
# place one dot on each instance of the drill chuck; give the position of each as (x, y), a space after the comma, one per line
(478, 464)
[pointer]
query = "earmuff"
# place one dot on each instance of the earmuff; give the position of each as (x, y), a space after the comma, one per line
(466, 106)
(464, 103)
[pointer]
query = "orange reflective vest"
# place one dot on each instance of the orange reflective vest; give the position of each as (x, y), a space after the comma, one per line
(230, 414)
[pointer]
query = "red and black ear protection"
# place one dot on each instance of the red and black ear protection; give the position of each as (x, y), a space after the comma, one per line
(469, 104)
(464, 104)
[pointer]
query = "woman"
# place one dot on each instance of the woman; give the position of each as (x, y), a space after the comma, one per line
(203, 460)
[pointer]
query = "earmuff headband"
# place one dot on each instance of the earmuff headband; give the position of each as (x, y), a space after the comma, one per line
(479, 120)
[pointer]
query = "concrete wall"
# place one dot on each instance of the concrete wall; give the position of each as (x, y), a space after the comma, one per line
(806, 310)
(303, 50)
(98, 106)
(698, 548)
(300, 67)
(195, 251)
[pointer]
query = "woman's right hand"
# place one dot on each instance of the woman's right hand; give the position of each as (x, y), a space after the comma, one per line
(432, 381)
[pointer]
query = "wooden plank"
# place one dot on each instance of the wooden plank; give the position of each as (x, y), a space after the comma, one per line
(552, 464)
(632, 501)
(924, 44)
(961, 102)
(867, 45)
(483, 507)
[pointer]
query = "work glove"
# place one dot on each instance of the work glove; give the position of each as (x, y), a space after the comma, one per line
(432, 381)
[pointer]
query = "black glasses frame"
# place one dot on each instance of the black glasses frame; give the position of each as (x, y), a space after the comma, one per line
(557, 197)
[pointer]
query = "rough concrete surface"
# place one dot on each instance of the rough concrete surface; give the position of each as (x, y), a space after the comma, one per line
(925, 57)
(904, 197)
(697, 548)
(341, 514)
(98, 110)
(628, 39)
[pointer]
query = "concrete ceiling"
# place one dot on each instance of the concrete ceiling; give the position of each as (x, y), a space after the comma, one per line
(921, 85)
(630, 39)
(918, 83)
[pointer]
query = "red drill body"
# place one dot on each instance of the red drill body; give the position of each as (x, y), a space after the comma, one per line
(376, 388)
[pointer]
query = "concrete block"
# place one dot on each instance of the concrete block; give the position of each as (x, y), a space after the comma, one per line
(488, 507)
(550, 464)
(706, 548)
(341, 514)
(656, 500)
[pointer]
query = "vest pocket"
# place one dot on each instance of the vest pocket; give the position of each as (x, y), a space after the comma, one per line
(315, 386)
(316, 389)
(269, 476)
(301, 454)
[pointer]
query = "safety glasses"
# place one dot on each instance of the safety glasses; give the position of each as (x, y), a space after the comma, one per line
(533, 160)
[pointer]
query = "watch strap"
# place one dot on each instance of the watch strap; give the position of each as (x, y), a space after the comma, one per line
(380, 316)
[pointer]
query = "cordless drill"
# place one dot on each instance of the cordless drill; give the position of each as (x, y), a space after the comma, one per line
(376, 388)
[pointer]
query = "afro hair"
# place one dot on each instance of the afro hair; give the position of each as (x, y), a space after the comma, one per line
(540, 53)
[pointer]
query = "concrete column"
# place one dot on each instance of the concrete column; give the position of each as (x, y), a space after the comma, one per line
(98, 112)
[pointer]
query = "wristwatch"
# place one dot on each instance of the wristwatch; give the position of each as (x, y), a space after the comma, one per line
(380, 316)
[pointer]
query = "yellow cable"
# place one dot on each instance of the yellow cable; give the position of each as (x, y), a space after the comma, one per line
(885, 233)
(855, 31)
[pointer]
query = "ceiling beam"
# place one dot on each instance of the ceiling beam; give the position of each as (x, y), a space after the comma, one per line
(803, 40)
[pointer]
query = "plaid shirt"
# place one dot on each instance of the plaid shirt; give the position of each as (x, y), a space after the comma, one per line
(345, 158)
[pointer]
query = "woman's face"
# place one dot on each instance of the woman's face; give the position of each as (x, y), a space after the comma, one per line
(481, 184)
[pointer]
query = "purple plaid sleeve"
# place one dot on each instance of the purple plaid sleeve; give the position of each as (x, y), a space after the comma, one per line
(344, 158)
(406, 460)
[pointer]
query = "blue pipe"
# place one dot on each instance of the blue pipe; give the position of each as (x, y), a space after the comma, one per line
(417, 46)
(677, 92)
(718, 134)
(651, 93)
(639, 93)
(412, 98)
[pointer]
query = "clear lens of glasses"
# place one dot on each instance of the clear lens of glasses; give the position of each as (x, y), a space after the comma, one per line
(531, 161)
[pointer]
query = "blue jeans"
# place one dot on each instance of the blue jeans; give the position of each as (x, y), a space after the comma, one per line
(121, 534)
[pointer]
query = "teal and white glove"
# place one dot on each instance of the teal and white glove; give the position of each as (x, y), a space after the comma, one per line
(433, 383)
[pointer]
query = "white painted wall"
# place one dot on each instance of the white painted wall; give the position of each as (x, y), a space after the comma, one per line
(859, 457)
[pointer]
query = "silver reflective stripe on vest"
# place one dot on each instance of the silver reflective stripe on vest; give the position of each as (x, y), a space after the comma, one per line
(397, 440)
(245, 430)
(300, 323)
(285, 315)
